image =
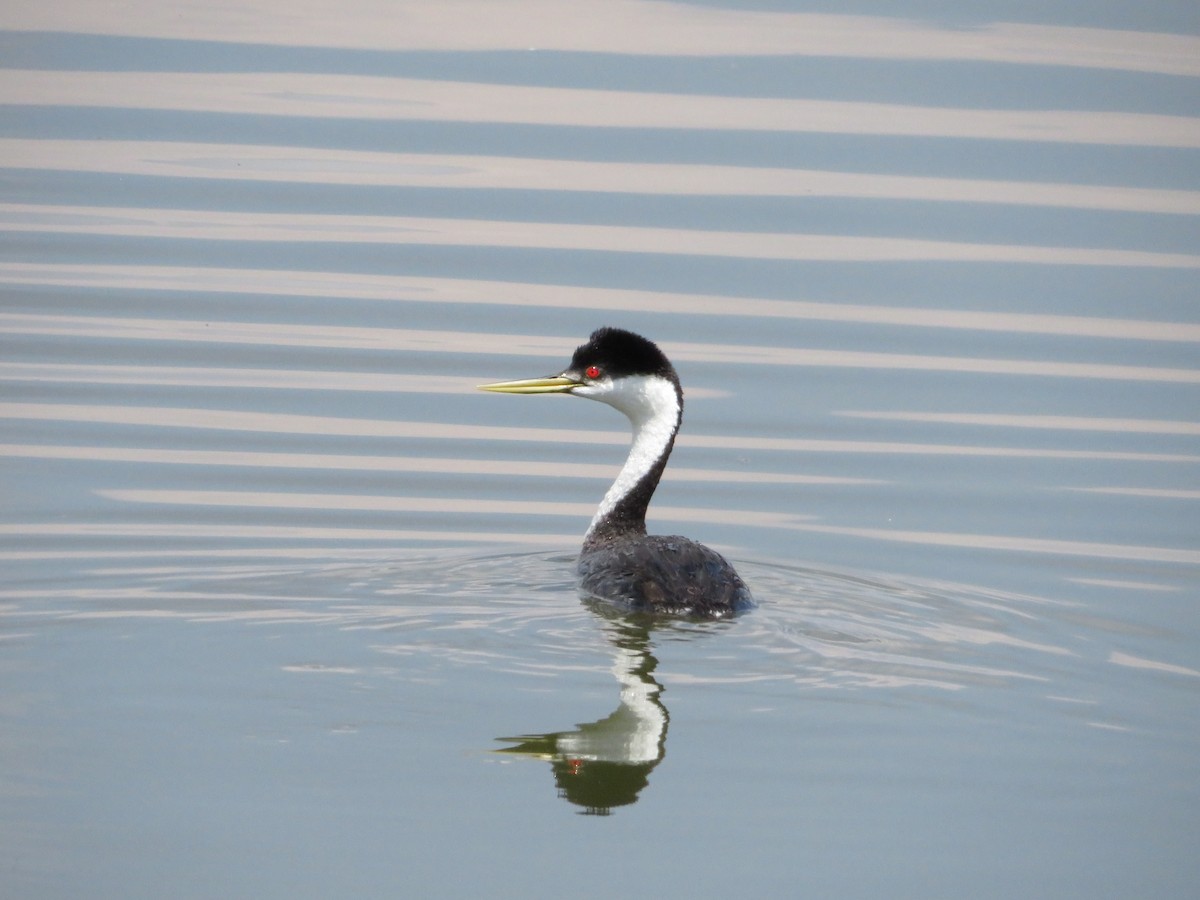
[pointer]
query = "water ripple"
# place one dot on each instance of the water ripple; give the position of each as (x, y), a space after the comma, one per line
(520, 612)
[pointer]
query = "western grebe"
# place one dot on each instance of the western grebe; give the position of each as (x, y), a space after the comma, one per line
(619, 562)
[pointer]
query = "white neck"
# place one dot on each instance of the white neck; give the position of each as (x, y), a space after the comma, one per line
(653, 409)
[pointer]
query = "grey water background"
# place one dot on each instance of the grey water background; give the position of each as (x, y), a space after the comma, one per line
(287, 608)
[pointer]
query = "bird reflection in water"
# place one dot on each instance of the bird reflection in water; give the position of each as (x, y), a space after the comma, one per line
(602, 765)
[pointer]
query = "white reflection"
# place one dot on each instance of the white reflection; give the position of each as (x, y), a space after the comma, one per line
(447, 505)
(501, 293)
(168, 529)
(1016, 544)
(259, 379)
(391, 99)
(287, 423)
(396, 463)
(232, 377)
(342, 166)
(1122, 585)
(638, 27)
(1160, 493)
(278, 334)
(749, 518)
(1137, 662)
(1061, 423)
(189, 224)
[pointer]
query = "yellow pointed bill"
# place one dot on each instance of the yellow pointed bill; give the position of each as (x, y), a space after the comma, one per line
(558, 384)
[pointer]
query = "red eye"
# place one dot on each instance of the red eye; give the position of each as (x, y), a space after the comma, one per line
(592, 372)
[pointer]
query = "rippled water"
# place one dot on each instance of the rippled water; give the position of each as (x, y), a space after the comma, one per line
(288, 606)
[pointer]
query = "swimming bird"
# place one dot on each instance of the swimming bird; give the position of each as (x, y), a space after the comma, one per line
(619, 562)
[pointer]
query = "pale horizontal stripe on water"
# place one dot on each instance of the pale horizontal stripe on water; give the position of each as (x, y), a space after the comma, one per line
(1121, 584)
(1157, 493)
(261, 379)
(407, 289)
(394, 99)
(750, 518)
(305, 165)
(397, 463)
(397, 503)
(162, 529)
(624, 27)
(226, 225)
(1012, 544)
(331, 552)
(1136, 662)
(463, 342)
(285, 423)
(1059, 423)
(372, 382)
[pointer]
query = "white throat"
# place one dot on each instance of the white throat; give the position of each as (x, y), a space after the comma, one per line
(652, 406)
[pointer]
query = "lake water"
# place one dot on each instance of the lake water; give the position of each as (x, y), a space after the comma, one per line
(288, 606)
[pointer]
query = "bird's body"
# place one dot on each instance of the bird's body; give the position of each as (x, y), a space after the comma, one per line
(619, 562)
(663, 574)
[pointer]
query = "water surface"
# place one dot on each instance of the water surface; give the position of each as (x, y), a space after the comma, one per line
(288, 606)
